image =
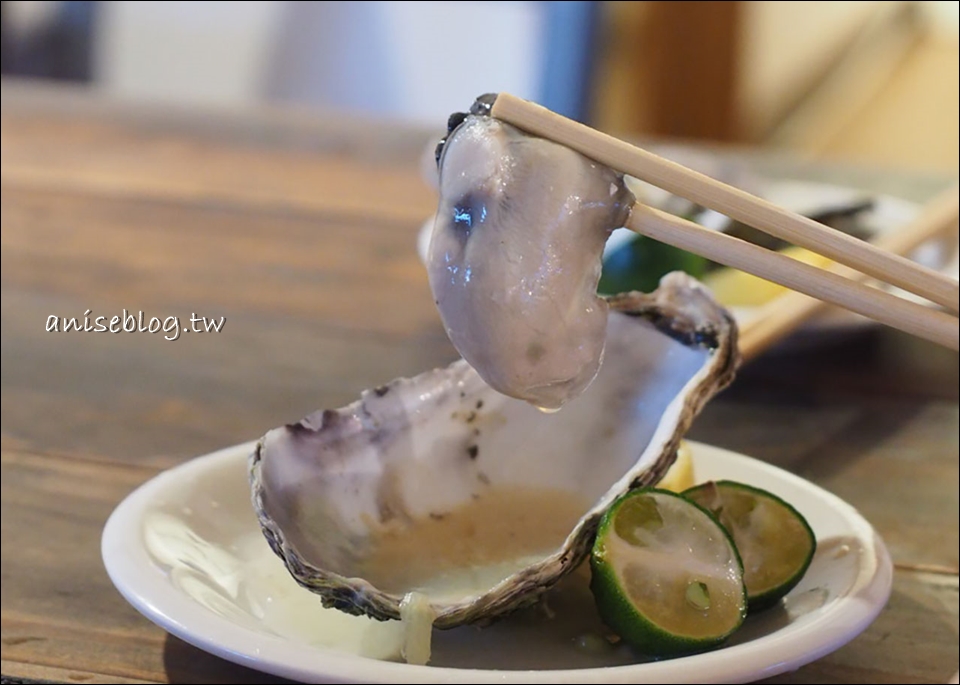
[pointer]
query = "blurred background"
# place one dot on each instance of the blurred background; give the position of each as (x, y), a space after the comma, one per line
(863, 82)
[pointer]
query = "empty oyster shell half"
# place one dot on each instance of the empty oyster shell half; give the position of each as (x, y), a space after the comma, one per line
(442, 486)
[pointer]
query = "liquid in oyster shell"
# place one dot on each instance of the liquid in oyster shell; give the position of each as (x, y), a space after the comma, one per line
(345, 495)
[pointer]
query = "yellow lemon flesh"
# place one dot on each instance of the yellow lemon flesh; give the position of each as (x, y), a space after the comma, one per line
(679, 476)
(735, 288)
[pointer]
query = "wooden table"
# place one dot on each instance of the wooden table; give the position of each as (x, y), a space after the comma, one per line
(299, 229)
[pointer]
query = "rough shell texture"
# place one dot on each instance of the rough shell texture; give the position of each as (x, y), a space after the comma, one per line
(415, 446)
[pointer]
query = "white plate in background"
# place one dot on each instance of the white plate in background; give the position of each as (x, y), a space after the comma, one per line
(186, 550)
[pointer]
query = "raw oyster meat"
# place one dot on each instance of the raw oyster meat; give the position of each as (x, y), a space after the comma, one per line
(515, 256)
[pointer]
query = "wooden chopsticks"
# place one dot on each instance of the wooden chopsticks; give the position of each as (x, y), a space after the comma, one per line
(832, 287)
(824, 285)
(783, 314)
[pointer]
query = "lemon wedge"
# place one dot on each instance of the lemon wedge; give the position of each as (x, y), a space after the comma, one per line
(735, 288)
(679, 476)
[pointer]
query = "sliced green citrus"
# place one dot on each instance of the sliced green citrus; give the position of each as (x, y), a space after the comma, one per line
(642, 262)
(666, 574)
(774, 540)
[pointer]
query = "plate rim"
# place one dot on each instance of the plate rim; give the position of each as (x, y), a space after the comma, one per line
(127, 564)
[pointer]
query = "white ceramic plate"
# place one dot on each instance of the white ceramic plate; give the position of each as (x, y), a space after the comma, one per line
(186, 551)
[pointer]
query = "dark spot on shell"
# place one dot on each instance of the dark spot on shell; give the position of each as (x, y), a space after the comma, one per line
(436, 516)
(344, 599)
(386, 512)
(381, 391)
(476, 432)
(479, 404)
(305, 426)
(471, 417)
(455, 120)
(681, 331)
(483, 105)
(535, 352)
(462, 394)
(483, 478)
(473, 451)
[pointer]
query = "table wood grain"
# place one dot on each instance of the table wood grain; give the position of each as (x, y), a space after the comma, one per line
(299, 228)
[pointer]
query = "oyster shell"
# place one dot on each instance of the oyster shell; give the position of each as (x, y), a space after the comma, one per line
(331, 489)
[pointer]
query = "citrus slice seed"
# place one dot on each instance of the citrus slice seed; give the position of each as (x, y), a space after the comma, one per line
(698, 595)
